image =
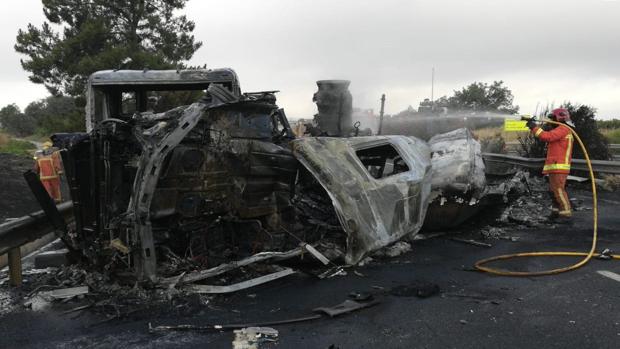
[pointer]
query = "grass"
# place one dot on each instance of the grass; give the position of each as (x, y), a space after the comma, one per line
(15, 146)
(612, 135)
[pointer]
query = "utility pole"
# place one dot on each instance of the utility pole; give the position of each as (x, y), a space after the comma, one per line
(433, 89)
(381, 113)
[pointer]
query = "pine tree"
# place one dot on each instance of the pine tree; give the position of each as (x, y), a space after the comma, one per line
(83, 36)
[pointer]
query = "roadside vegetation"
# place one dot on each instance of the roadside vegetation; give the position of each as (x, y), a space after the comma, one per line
(14, 146)
(610, 129)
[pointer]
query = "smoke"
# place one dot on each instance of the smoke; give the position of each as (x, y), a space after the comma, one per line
(366, 118)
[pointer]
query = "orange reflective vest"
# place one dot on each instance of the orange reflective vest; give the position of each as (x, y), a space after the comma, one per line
(559, 150)
(48, 166)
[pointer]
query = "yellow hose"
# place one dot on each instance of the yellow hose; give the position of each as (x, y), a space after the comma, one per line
(480, 264)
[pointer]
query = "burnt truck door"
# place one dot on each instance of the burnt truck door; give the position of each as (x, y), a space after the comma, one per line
(379, 186)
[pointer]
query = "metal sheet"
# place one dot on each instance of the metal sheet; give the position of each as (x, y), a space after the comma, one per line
(215, 289)
(373, 212)
(457, 162)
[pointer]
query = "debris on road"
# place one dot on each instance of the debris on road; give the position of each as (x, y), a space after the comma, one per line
(492, 233)
(606, 254)
(253, 337)
(418, 289)
(65, 292)
(396, 249)
(471, 242)
(214, 289)
(223, 268)
(345, 307)
(51, 259)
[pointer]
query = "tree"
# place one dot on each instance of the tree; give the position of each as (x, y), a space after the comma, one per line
(15, 122)
(103, 34)
(56, 114)
(480, 96)
(583, 116)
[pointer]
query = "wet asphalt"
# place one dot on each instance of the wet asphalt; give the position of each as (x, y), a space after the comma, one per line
(579, 309)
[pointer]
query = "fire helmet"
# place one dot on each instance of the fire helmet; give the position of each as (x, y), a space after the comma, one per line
(561, 115)
(47, 145)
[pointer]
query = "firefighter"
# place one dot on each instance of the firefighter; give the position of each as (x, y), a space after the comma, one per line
(557, 165)
(49, 168)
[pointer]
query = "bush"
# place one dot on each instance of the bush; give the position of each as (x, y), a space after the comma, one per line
(491, 142)
(531, 147)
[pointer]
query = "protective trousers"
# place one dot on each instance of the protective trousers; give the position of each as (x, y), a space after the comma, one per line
(557, 184)
(53, 188)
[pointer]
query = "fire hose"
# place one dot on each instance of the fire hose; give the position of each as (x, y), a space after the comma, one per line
(480, 265)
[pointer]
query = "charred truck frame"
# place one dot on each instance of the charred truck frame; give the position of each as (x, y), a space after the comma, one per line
(182, 163)
(139, 177)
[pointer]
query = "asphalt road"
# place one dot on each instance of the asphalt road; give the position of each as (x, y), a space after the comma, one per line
(579, 309)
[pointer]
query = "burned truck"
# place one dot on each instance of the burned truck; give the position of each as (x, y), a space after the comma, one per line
(141, 177)
(183, 165)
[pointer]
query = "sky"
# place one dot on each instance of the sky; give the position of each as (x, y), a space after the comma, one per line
(546, 51)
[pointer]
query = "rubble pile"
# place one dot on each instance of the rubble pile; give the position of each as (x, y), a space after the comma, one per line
(526, 208)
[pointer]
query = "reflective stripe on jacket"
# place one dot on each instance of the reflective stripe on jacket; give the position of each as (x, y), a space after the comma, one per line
(559, 150)
(48, 166)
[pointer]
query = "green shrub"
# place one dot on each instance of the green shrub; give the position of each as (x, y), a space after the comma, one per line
(613, 136)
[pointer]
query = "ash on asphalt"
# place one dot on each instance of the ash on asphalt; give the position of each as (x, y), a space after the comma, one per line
(472, 310)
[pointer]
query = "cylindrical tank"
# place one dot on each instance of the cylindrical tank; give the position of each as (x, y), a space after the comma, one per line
(335, 105)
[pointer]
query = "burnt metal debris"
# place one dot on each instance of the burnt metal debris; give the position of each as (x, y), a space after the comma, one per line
(182, 177)
(379, 186)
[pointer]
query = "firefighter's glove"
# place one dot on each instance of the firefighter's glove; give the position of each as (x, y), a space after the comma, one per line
(531, 124)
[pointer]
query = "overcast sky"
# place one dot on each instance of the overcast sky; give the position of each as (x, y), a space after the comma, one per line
(545, 51)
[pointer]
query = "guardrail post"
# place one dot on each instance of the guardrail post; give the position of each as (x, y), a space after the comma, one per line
(15, 266)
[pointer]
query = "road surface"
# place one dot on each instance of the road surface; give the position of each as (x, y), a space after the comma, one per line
(579, 309)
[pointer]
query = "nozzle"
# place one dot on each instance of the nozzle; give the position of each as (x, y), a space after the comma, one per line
(527, 117)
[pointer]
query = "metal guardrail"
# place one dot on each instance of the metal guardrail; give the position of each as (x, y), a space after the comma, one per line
(611, 146)
(599, 166)
(20, 231)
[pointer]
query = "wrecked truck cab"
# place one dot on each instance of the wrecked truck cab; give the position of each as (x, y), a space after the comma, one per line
(208, 174)
(118, 94)
(379, 186)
